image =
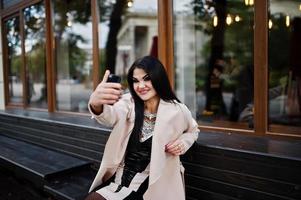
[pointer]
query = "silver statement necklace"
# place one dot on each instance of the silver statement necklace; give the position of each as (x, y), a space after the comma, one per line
(148, 126)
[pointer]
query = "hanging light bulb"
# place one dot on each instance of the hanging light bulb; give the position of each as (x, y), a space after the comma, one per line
(130, 3)
(237, 18)
(215, 21)
(270, 24)
(300, 7)
(287, 21)
(249, 2)
(229, 19)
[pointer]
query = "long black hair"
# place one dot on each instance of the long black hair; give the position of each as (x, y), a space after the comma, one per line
(159, 79)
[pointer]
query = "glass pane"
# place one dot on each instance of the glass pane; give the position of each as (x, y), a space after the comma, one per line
(127, 35)
(35, 61)
(214, 60)
(8, 3)
(285, 62)
(73, 42)
(14, 60)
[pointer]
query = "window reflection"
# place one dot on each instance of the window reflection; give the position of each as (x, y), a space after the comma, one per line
(13, 39)
(34, 22)
(8, 3)
(285, 63)
(128, 30)
(214, 60)
(73, 46)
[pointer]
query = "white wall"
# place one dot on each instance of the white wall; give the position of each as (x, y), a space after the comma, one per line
(2, 104)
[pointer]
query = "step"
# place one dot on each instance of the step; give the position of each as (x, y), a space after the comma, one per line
(73, 186)
(94, 145)
(90, 133)
(57, 146)
(35, 163)
(85, 139)
(232, 166)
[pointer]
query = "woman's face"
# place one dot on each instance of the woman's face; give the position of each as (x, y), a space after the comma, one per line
(143, 85)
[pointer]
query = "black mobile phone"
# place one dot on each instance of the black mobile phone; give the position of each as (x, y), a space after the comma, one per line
(114, 78)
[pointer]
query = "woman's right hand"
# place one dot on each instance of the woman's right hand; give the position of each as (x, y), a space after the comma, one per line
(105, 93)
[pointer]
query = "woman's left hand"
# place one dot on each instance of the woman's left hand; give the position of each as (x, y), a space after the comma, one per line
(175, 148)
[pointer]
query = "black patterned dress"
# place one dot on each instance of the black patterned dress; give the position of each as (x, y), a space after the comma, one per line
(131, 178)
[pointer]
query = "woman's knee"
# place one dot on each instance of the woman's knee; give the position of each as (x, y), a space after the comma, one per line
(94, 196)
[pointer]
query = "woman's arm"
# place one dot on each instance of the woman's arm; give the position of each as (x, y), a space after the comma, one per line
(185, 141)
(112, 113)
(190, 135)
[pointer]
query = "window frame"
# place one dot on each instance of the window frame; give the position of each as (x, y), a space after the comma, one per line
(5, 63)
(15, 11)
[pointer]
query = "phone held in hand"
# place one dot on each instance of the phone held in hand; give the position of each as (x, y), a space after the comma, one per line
(114, 78)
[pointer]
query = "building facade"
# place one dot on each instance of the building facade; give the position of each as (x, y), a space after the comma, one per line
(225, 58)
(235, 63)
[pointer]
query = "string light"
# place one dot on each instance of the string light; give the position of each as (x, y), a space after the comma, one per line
(237, 18)
(229, 19)
(215, 21)
(130, 3)
(287, 21)
(249, 2)
(270, 24)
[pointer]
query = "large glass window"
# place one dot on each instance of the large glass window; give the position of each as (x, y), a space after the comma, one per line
(35, 60)
(285, 63)
(73, 54)
(14, 60)
(213, 56)
(128, 30)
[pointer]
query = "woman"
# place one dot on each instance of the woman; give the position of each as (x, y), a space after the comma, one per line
(151, 128)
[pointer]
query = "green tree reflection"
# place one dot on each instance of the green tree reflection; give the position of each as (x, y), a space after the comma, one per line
(228, 40)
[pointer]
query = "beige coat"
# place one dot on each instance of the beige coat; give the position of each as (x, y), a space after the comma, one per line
(166, 172)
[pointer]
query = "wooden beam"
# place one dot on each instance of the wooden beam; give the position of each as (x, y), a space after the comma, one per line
(165, 39)
(50, 72)
(23, 61)
(5, 64)
(95, 21)
(261, 67)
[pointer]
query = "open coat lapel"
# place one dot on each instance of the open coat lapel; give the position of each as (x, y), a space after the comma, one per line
(163, 133)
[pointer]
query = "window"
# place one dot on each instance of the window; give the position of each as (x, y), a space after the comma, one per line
(285, 64)
(24, 49)
(214, 77)
(8, 3)
(35, 58)
(73, 54)
(128, 30)
(14, 60)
